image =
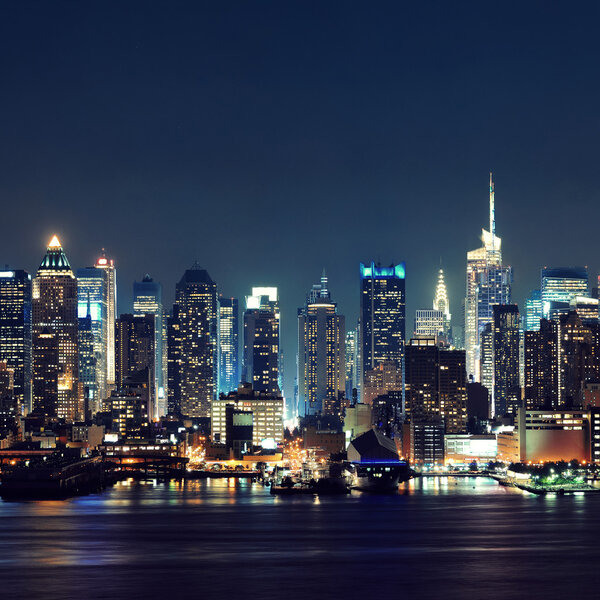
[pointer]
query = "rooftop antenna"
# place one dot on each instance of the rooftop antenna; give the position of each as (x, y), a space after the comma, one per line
(492, 214)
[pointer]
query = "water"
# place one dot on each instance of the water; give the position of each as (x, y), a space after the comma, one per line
(464, 538)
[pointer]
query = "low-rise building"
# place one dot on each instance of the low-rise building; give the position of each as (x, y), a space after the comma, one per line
(467, 448)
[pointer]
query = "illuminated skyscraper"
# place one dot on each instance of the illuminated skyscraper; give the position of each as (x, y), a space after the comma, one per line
(321, 349)
(561, 285)
(533, 311)
(111, 315)
(488, 283)
(229, 375)
(56, 390)
(197, 364)
(92, 299)
(382, 315)
(261, 340)
(351, 363)
(506, 392)
(430, 323)
(15, 332)
(147, 300)
(87, 364)
(441, 303)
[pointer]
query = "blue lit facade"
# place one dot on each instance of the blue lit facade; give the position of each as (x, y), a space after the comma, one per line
(561, 285)
(229, 370)
(92, 300)
(533, 311)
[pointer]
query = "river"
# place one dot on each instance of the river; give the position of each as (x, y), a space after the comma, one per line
(446, 538)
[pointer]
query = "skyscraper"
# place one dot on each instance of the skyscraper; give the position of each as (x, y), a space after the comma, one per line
(108, 264)
(88, 362)
(174, 363)
(430, 323)
(321, 350)
(261, 340)
(506, 393)
(92, 300)
(197, 364)
(147, 300)
(382, 315)
(488, 283)
(441, 303)
(561, 285)
(351, 363)
(229, 373)
(135, 350)
(56, 390)
(533, 311)
(15, 332)
(541, 366)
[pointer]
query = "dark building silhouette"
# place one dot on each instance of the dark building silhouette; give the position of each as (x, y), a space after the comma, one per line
(505, 331)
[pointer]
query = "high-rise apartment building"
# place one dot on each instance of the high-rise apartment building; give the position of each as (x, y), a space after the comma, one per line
(488, 283)
(147, 300)
(229, 372)
(197, 312)
(261, 340)
(506, 392)
(541, 366)
(56, 389)
(382, 315)
(321, 354)
(92, 300)
(15, 333)
(108, 265)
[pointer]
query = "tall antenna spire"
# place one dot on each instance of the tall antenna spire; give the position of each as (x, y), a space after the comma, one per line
(492, 212)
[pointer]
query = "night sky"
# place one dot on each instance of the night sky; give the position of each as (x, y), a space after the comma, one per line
(267, 140)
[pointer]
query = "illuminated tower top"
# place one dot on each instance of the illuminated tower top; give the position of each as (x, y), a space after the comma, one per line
(55, 260)
(440, 300)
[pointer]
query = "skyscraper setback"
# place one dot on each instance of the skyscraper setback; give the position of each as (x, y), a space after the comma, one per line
(488, 283)
(56, 390)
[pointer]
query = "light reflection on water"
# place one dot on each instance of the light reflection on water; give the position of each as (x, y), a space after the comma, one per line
(461, 536)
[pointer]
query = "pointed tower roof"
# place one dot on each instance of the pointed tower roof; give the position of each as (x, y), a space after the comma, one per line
(55, 258)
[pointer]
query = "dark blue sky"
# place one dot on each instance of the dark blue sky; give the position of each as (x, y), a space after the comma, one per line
(268, 140)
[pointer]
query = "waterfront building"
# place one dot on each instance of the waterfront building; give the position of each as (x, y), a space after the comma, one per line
(506, 392)
(108, 265)
(15, 333)
(442, 304)
(261, 366)
(135, 351)
(467, 448)
(56, 389)
(321, 354)
(488, 283)
(382, 316)
(427, 442)
(196, 308)
(266, 410)
(430, 323)
(92, 300)
(229, 372)
(357, 420)
(436, 384)
(147, 300)
(561, 285)
(533, 311)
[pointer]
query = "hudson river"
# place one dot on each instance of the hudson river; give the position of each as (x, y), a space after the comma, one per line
(446, 539)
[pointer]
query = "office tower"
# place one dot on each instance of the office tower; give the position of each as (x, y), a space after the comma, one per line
(108, 264)
(15, 333)
(173, 363)
(506, 393)
(261, 340)
(135, 350)
(197, 367)
(92, 300)
(382, 316)
(87, 365)
(441, 303)
(147, 300)
(266, 410)
(560, 285)
(586, 308)
(486, 358)
(436, 385)
(351, 357)
(488, 283)
(321, 354)
(533, 311)
(56, 389)
(430, 323)
(229, 374)
(541, 366)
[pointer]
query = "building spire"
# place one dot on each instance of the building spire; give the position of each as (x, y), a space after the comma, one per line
(492, 212)
(324, 290)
